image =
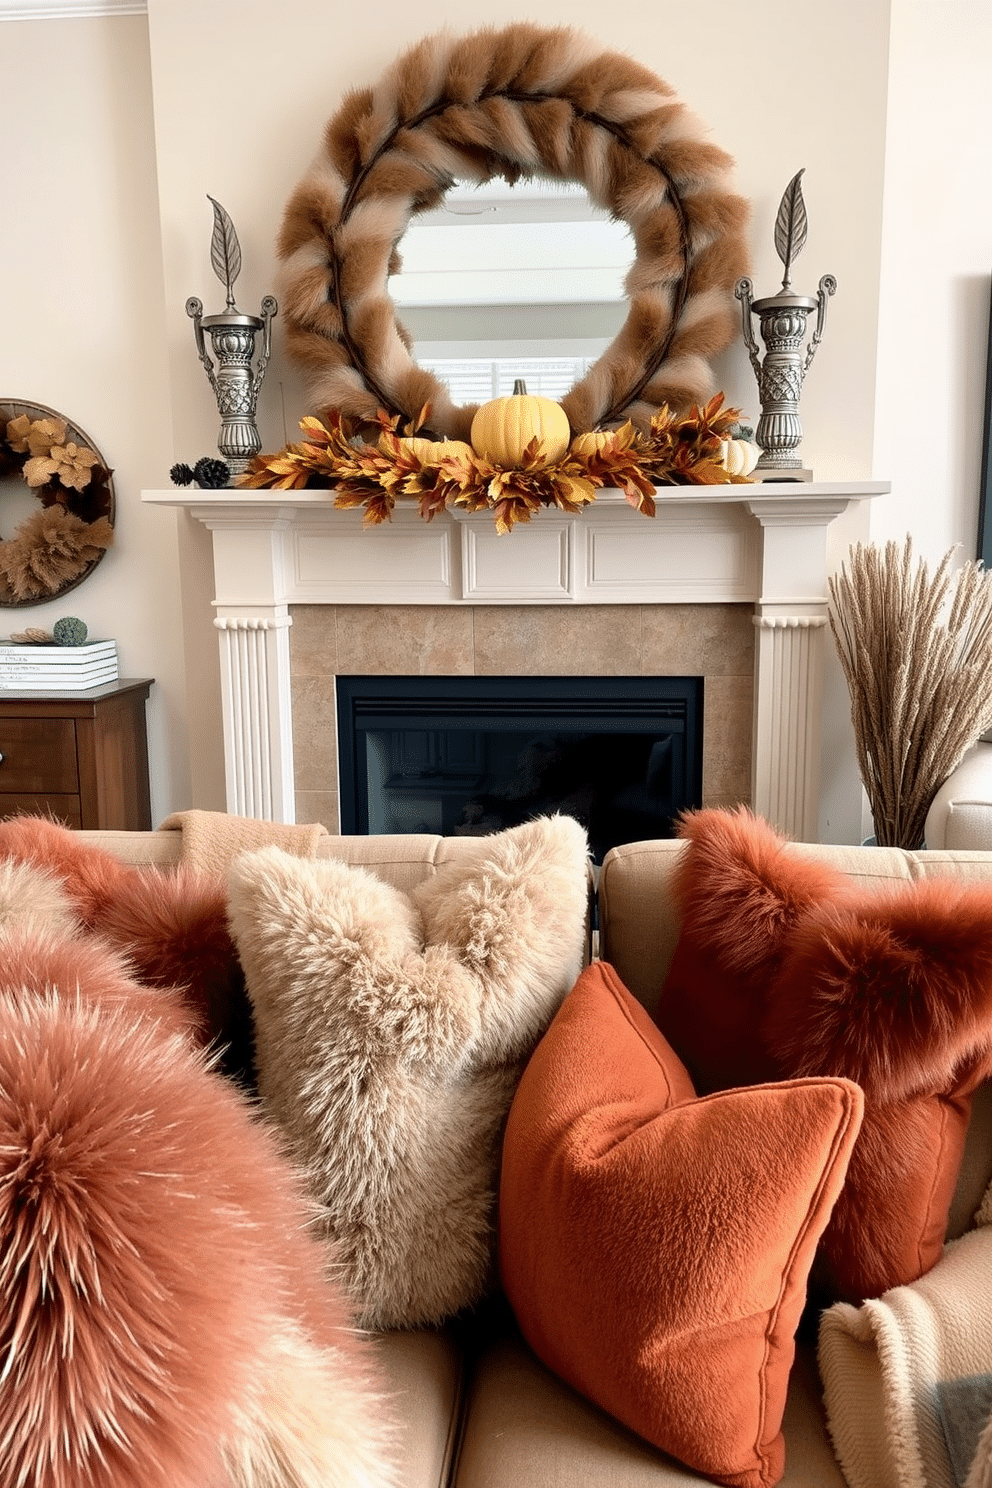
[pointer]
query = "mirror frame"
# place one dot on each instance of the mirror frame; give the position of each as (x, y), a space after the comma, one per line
(521, 101)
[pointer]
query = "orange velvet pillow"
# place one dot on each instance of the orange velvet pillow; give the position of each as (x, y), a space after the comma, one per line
(655, 1247)
(787, 968)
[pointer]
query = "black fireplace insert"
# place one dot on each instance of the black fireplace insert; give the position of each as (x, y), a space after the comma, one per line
(473, 755)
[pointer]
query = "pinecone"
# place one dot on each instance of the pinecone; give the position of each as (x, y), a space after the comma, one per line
(181, 475)
(211, 473)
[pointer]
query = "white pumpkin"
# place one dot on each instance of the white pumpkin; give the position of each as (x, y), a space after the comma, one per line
(739, 456)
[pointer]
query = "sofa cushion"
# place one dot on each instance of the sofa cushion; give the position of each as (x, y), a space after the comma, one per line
(784, 967)
(524, 1425)
(655, 1246)
(391, 1030)
(423, 1373)
(165, 1320)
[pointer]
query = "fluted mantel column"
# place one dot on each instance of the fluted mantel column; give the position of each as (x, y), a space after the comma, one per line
(790, 617)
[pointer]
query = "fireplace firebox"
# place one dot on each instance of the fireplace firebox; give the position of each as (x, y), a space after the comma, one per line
(472, 755)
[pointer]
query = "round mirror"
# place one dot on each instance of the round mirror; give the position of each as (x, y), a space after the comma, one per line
(522, 103)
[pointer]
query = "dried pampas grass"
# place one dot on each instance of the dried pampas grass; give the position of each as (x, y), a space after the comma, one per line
(521, 101)
(917, 654)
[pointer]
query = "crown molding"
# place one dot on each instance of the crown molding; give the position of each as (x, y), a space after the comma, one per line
(61, 10)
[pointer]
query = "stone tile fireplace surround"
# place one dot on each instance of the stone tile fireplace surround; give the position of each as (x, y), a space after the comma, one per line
(725, 582)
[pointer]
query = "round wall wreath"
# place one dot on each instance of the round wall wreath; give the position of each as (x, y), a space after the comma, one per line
(522, 101)
(59, 545)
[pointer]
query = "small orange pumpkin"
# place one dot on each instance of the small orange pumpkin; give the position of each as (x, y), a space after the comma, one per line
(503, 428)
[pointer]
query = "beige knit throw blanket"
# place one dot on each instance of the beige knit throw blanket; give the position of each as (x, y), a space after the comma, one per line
(907, 1377)
(211, 839)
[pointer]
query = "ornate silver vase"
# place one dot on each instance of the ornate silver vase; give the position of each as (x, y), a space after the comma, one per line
(233, 374)
(783, 319)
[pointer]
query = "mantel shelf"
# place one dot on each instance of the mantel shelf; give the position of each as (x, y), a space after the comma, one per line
(703, 546)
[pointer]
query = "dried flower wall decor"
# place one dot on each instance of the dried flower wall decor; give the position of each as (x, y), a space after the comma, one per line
(58, 546)
(523, 101)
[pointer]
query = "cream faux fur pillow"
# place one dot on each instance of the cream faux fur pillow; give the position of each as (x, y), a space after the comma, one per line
(391, 1030)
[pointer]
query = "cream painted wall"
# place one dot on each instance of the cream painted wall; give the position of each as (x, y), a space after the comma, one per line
(936, 275)
(241, 90)
(84, 327)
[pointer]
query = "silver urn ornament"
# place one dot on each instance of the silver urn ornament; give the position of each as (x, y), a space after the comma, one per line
(233, 374)
(783, 318)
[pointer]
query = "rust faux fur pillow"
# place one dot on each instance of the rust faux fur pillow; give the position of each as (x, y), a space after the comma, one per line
(163, 1318)
(786, 968)
(45, 947)
(391, 1030)
(171, 924)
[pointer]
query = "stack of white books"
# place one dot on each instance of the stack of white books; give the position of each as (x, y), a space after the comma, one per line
(25, 668)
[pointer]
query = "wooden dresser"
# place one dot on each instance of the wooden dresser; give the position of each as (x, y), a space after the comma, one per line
(80, 757)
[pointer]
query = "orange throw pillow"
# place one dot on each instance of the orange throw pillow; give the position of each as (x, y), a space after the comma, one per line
(785, 967)
(655, 1246)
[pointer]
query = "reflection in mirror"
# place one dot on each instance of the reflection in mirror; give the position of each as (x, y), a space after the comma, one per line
(503, 282)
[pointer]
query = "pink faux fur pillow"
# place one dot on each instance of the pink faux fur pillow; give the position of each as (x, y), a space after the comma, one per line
(170, 923)
(392, 1030)
(165, 1321)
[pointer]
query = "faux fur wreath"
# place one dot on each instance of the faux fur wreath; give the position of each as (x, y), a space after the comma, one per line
(522, 101)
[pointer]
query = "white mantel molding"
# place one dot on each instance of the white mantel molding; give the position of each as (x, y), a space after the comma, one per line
(763, 543)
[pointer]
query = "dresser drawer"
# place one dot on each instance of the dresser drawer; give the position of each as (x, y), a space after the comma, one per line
(64, 809)
(39, 756)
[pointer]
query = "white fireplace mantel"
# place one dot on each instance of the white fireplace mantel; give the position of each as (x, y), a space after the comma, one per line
(762, 543)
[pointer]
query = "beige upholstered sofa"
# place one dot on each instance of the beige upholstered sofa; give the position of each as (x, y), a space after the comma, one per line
(478, 1409)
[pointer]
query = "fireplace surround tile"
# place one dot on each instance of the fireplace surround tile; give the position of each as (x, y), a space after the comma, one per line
(550, 640)
(714, 641)
(420, 639)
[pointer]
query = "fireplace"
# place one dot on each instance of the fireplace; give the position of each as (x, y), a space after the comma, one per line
(465, 756)
(281, 555)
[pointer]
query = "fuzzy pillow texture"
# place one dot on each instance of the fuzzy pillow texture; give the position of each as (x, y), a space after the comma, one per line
(163, 1319)
(391, 1031)
(785, 967)
(171, 924)
(655, 1246)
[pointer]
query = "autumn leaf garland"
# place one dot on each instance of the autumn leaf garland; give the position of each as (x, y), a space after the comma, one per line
(371, 466)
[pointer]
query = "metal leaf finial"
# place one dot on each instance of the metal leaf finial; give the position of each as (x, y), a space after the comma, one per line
(791, 226)
(225, 251)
